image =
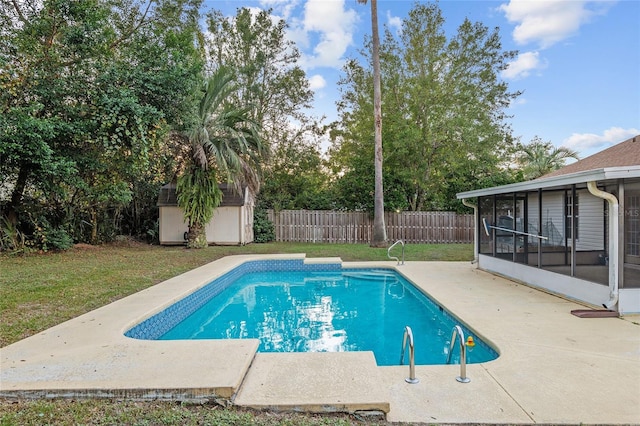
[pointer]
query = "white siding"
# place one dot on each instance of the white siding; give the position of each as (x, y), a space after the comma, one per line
(172, 225)
(532, 214)
(230, 226)
(552, 217)
(225, 226)
(591, 222)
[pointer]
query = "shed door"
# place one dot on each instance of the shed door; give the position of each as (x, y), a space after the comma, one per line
(632, 227)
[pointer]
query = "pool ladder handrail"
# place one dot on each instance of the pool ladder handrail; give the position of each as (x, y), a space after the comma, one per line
(457, 331)
(408, 338)
(394, 257)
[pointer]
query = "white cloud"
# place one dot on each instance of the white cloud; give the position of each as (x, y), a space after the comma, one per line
(322, 29)
(550, 21)
(296, 33)
(395, 22)
(285, 7)
(591, 142)
(334, 27)
(523, 65)
(317, 82)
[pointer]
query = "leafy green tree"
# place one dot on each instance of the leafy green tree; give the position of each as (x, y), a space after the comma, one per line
(268, 75)
(224, 144)
(444, 115)
(537, 158)
(39, 48)
(296, 177)
(87, 91)
(265, 64)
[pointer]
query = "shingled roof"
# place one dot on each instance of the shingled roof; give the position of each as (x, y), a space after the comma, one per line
(623, 154)
(230, 197)
(619, 161)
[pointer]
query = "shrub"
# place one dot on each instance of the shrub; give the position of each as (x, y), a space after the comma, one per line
(263, 229)
(59, 239)
(11, 239)
(46, 237)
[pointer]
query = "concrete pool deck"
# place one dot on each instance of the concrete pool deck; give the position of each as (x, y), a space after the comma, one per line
(553, 367)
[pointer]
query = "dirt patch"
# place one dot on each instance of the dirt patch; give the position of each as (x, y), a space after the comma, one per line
(83, 246)
(120, 241)
(128, 241)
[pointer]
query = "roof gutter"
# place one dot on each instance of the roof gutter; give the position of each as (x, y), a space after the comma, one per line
(614, 218)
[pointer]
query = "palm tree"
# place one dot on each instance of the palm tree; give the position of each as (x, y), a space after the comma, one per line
(538, 158)
(223, 145)
(379, 237)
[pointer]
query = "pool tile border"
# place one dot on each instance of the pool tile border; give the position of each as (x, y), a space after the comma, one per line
(158, 324)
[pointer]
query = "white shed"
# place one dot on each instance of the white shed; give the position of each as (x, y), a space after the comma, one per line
(232, 222)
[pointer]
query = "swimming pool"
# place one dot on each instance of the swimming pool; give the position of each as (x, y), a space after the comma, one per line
(295, 307)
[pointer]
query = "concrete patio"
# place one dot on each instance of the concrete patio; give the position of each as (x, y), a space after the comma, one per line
(553, 367)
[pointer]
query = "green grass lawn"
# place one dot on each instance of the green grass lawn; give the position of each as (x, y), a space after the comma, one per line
(130, 413)
(39, 291)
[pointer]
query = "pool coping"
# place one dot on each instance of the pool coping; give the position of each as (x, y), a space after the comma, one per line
(552, 369)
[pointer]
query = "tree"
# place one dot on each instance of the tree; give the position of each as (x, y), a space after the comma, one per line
(88, 91)
(265, 64)
(379, 236)
(296, 177)
(224, 144)
(537, 158)
(444, 114)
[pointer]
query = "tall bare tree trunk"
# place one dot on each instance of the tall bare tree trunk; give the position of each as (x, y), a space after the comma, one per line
(379, 237)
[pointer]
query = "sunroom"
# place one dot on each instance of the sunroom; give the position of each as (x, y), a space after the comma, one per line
(575, 232)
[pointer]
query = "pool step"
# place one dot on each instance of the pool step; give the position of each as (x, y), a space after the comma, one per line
(368, 274)
(324, 278)
(378, 275)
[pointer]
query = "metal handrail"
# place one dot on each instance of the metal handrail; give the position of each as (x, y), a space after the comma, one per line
(513, 231)
(408, 336)
(457, 330)
(393, 257)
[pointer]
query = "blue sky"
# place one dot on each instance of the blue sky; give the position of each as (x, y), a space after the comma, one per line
(579, 62)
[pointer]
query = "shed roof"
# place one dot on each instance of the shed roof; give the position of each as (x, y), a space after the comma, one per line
(230, 198)
(620, 161)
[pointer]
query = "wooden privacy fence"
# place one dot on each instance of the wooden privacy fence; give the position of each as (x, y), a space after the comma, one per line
(327, 226)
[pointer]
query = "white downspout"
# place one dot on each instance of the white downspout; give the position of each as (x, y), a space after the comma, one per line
(475, 231)
(614, 207)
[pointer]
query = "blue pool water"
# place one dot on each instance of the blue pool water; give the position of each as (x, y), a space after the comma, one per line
(321, 311)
